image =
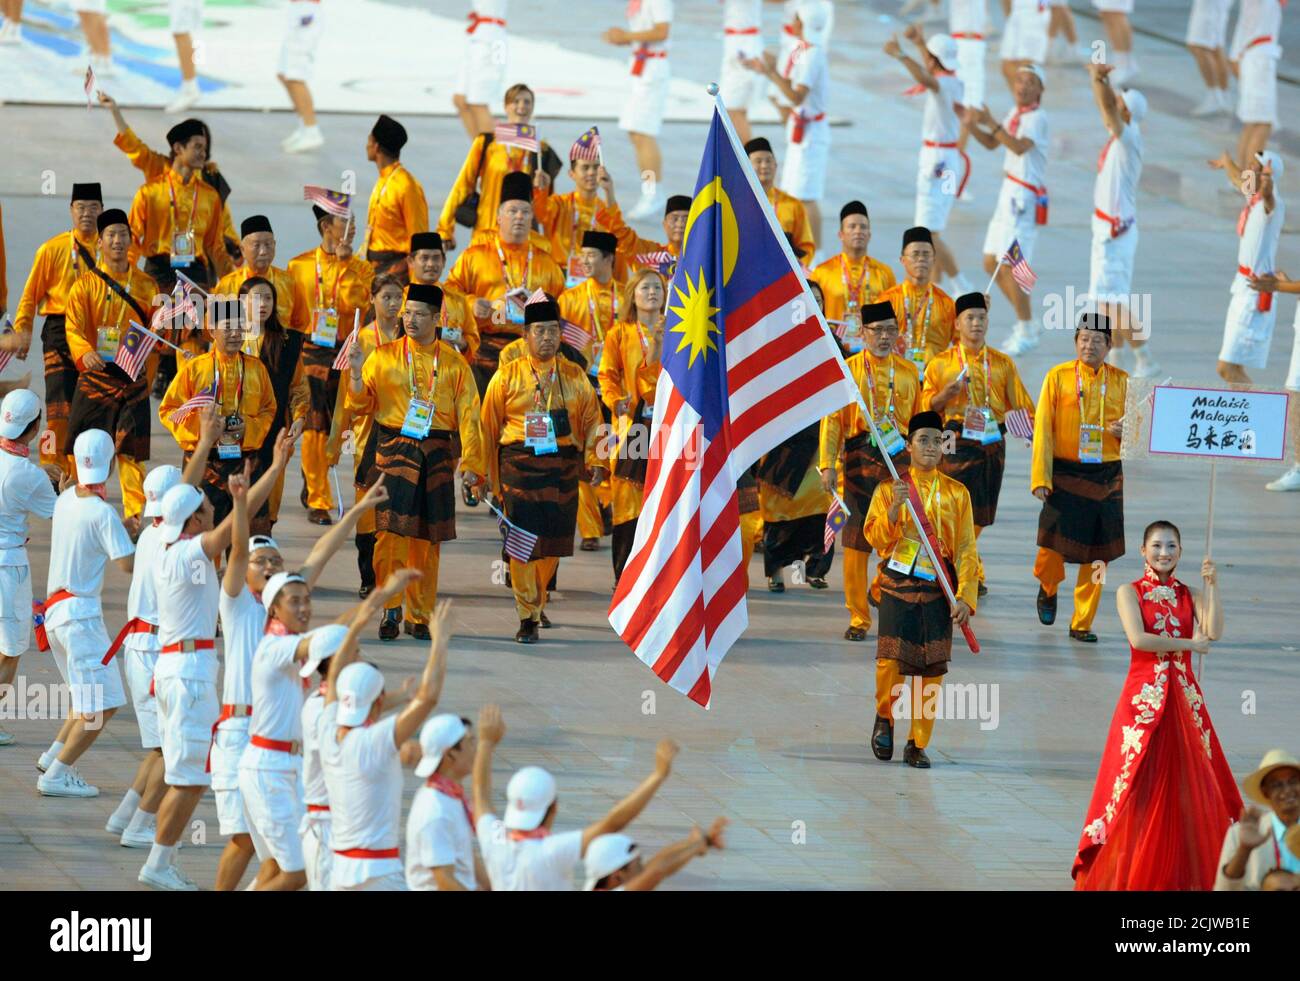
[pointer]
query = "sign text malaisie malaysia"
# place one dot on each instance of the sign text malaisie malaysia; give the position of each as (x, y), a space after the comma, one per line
(1218, 423)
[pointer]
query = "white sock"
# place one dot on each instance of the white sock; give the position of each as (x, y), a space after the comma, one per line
(57, 769)
(55, 749)
(140, 820)
(1024, 327)
(127, 807)
(312, 130)
(160, 856)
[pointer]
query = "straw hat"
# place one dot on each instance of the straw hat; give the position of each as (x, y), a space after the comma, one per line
(1274, 759)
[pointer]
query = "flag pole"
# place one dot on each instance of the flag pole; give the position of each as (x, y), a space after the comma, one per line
(162, 340)
(940, 573)
(994, 278)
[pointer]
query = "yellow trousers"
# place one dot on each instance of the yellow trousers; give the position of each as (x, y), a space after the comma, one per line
(393, 552)
(979, 561)
(590, 524)
(855, 586)
(49, 444)
(316, 470)
(1049, 569)
(751, 526)
(131, 476)
(529, 579)
(924, 690)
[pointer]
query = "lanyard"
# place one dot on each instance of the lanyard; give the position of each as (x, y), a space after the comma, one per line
(871, 387)
(594, 307)
(918, 342)
(645, 346)
(194, 203)
(375, 200)
(1078, 387)
(854, 294)
(74, 255)
(550, 386)
(575, 239)
(320, 295)
(410, 368)
(505, 267)
(931, 506)
(988, 378)
(221, 389)
(109, 320)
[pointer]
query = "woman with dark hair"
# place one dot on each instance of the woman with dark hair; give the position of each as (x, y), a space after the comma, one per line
(1164, 794)
(278, 348)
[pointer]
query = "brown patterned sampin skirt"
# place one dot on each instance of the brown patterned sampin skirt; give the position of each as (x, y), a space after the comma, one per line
(60, 371)
(322, 383)
(915, 624)
(1083, 517)
(978, 467)
(108, 400)
(541, 495)
(864, 468)
(420, 476)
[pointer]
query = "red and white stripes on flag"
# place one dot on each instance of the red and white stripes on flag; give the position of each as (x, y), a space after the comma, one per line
(134, 349)
(1020, 423)
(836, 518)
(1020, 271)
(335, 203)
(6, 356)
(89, 85)
(519, 542)
(186, 409)
(341, 360)
(575, 336)
(521, 135)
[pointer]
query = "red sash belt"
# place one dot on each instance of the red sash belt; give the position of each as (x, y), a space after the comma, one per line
(965, 159)
(476, 19)
(58, 596)
(643, 54)
(733, 31)
(1117, 227)
(317, 808)
(38, 625)
(227, 712)
(1040, 193)
(967, 36)
(189, 646)
(136, 625)
(1264, 301)
(368, 852)
(801, 123)
(1262, 39)
(293, 748)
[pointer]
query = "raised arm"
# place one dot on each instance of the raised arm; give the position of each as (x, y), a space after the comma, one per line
(210, 427)
(1130, 616)
(435, 670)
(218, 539)
(232, 581)
(918, 71)
(333, 539)
(625, 811)
(491, 730)
(1209, 607)
(365, 613)
(1105, 98)
(673, 858)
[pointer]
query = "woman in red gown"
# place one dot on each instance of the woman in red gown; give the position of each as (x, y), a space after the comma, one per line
(1164, 794)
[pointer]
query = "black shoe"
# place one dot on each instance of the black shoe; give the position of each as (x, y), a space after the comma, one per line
(468, 496)
(545, 621)
(1087, 636)
(983, 590)
(882, 739)
(817, 583)
(365, 590)
(527, 633)
(775, 584)
(303, 496)
(590, 544)
(1046, 608)
(420, 631)
(914, 756)
(391, 625)
(855, 634)
(319, 516)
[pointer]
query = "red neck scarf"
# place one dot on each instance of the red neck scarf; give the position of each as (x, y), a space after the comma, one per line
(1245, 213)
(99, 490)
(1013, 124)
(14, 447)
(276, 628)
(529, 835)
(452, 789)
(1101, 157)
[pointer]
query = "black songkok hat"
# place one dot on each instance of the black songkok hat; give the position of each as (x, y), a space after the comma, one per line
(254, 224)
(424, 293)
(516, 186)
(678, 202)
(917, 234)
(605, 241)
(224, 308)
(319, 212)
(854, 208)
(86, 192)
(541, 311)
(426, 240)
(924, 420)
(185, 131)
(971, 301)
(113, 216)
(389, 134)
(756, 144)
(1095, 321)
(874, 313)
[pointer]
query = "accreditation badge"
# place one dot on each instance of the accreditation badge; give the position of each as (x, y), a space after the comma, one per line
(593, 368)
(539, 433)
(419, 419)
(924, 568)
(1090, 444)
(576, 272)
(892, 441)
(453, 336)
(992, 432)
(326, 331)
(917, 356)
(904, 556)
(648, 411)
(106, 342)
(229, 451)
(515, 301)
(183, 253)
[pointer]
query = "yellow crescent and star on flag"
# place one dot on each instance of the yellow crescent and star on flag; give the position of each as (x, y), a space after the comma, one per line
(696, 309)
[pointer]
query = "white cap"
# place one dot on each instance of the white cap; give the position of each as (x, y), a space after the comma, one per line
(438, 735)
(325, 642)
(943, 47)
(606, 855)
(815, 15)
(157, 483)
(1136, 103)
(1033, 69)
(17, 411)
(1271, 158)
(358, 685)
(177, 505)
(276, 583)
(259, 542)
(528, 795)
(94, 452)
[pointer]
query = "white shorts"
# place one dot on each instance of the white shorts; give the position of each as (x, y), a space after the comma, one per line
(1293, 372)
(274, 809)
(227, 748)
(643, 112)
(1024, 37)
(392, 882)
(1207, 24)
(483, 70)
(317, 851)
(79, 647)
(184, 16)
(139, 679)
(1257, 85)
(739, 87)
(1111, 273)
(970, 70)
(803, 171)
(301, 38)
(15, 610)
(1247, 331)
(1013, 220)
(187, 711)
(939, 173)
(1114, 6)
(90, 6)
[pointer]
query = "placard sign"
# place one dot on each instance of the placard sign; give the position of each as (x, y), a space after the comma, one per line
(1220, 423)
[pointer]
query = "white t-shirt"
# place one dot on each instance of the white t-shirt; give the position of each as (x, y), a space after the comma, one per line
(1256, 18)
(1115, 192)
(742, 15)
(188, 599)
(86, 535)
(277, 702)
(313, 776)
(967, 17)
(142, 597)
(531, 864)
(939, 123)
(438, 833)
(1257, 249)
(243, 625)
(24, 490)
(643, 15)
(806, 65)
(364, 777)
(1031, 166)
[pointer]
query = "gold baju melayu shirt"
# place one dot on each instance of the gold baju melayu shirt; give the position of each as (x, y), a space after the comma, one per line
(594, 308)
(841, 277)
(397, 210)
(1058, 417)
(56, 266)
(501, 160)
(793, 219)
(245, 391)
(898, 398)
(287, 306)
(1001, 390)
(479, 274)
(342, 286)
(166, 206)
(92, 305)
(926, 317)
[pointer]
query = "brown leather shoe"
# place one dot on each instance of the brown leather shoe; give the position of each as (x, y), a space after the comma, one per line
(319, 516)
(882, 739)
(590, 545)
(391, 625)
(420, 631)
(527, 633)
(914, 756)
(856, 634)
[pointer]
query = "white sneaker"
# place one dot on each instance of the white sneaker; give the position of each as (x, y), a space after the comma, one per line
(284, 143)
(104, 67)
(1020, 343)
(647, 206)
(141, 838)
(1209, 105)
(115, 827)
(11, 33)
(44, 760)
(187, 97)
(1289, 481)
(68, 784)
(171, 878)
(307, 138)
(6, 738)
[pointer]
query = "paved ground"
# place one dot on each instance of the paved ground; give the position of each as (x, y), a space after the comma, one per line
(783, 752)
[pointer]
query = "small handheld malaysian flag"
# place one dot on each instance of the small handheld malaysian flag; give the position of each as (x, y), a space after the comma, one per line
(663, 261)
(521, 135)
(200, 401)
(345, 352)
(587, 146)
(6, 356)
(1020, 423)
(134, 348)
(836, 518)
(89, 84)
(519, 543)
(575, 336)
(334, 202)
(1020, 271)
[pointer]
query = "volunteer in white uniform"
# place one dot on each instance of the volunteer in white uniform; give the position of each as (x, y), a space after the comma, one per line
(302, 31)
(1024, 37)
(1114, 217)
(520, 853)
(1248, 328)
(482, 80)
(1207, 33)
(134, 821)
(1114, 17)
(1022, 201)
(1280, 283)
(184, 18)
(1062, 36)
(942, 166)
(87, 534)
(649, 24)
(360, 751)
(440, 827)
(25, 490)
(968, 24)
(742, 40)
(613, 862)
(803, 82)
(93, 15)
(1254, 52)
